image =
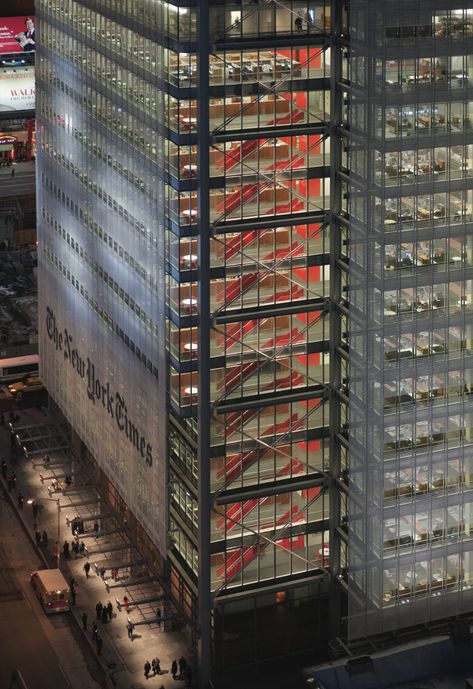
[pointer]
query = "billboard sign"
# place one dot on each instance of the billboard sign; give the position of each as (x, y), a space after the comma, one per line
(17, 35)
(17, 89)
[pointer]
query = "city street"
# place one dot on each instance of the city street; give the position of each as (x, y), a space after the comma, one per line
(23, 182)
(49, 651)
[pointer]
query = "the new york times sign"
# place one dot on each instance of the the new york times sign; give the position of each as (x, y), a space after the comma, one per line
(98, 392)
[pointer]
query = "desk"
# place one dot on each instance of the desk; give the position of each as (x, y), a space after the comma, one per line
(190, 260)
(191, 391)
(191, 347)
(189, 215)
(189, 304)
(189, 170)
(189, 122)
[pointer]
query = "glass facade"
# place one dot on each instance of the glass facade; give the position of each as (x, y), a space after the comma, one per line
(255, 225)
(409, 343)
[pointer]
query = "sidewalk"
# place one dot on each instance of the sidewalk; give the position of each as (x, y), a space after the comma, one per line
(123, 659)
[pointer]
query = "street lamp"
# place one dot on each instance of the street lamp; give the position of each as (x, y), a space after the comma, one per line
(58, 504)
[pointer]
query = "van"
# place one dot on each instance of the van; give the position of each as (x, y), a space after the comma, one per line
(52, 590)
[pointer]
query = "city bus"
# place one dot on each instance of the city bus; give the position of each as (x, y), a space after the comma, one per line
(17, 367)
(52, 590)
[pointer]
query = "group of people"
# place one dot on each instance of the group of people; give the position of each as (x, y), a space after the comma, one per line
(185, 671)
(77, 547)
(104, 612)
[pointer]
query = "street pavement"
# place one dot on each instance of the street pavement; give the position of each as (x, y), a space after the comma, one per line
(122, 659)
(21, 183)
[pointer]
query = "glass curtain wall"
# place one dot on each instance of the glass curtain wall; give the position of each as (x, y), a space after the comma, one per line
(269, 190)
(411, 300)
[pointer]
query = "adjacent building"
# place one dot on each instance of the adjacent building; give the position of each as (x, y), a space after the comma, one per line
(254, 236)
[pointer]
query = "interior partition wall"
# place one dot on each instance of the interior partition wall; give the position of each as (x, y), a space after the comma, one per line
(411, 204)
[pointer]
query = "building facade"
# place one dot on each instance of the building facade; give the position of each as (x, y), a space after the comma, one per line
(254, 299)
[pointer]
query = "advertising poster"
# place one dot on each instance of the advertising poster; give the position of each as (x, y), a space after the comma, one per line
(17, 35)
(17, 89)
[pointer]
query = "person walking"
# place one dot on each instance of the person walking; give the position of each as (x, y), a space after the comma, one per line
(99, 642)
(87, 569)
(182, 666)
(37, 537)
(110, 610)
(126, 603)
(102, 571)
(98, 610)
(21, 501)
(44, 538)
(104, 615)
(65, 550)
(174, 669)
(129, 628)
(84, 621)
(157, 666)
(147, 668)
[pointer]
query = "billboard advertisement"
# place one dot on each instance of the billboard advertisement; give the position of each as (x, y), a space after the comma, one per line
(17, 35)
(17, 89)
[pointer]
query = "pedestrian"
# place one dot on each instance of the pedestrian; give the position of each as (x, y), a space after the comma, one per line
(84, 621)
(102, 571)
(174, 669)
(65, 550)
(4, 469)
(75, 548)
(147, 669)
(46, 460)
(158, 615)
(114, 573)
(104, 615)
(99, 642)
(95, 630)
(44, 538)
(129, 628)
(182, 666)
(82, 549)
(87, 569)
(37, 537)
(126, 603)
(96, 527)
(73, 596)
(157, 666)
(98, 610)
(21, 501)
(109, 610)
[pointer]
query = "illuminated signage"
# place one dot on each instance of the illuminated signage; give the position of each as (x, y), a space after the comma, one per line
(99, 392)
(17, 89)
(17, 35)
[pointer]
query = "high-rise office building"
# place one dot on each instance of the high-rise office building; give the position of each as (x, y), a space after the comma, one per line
(255, 292)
